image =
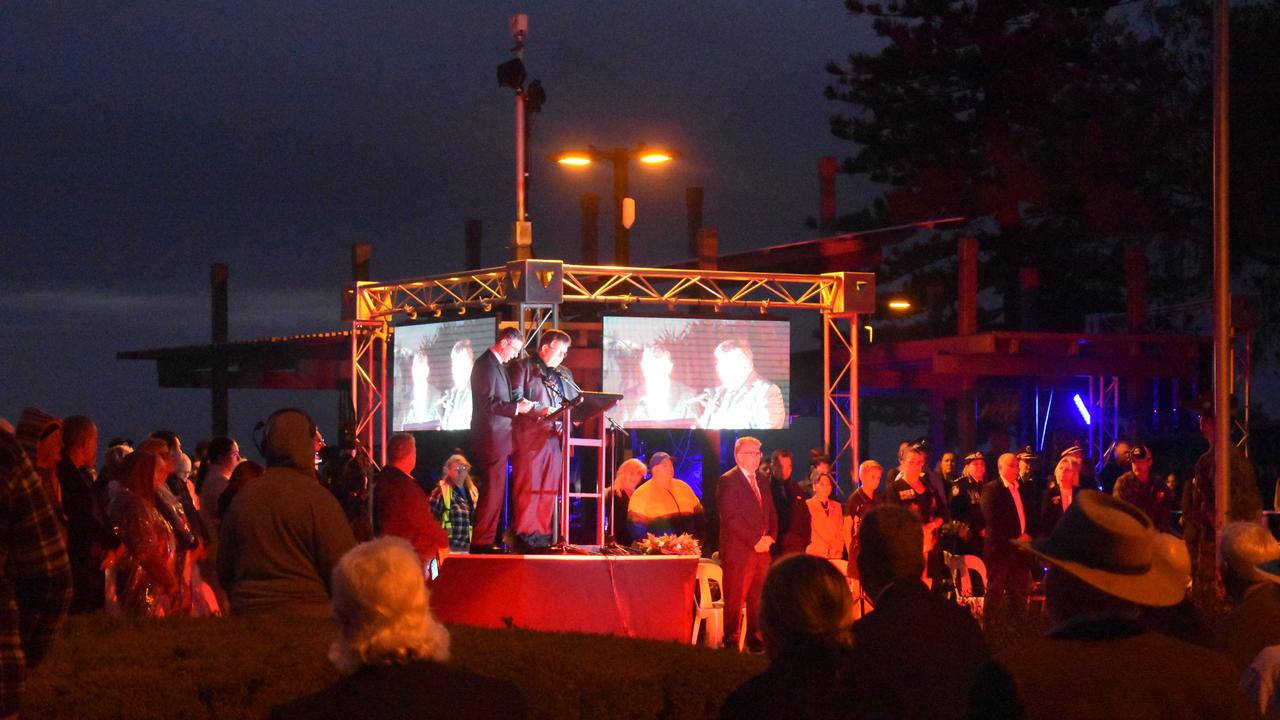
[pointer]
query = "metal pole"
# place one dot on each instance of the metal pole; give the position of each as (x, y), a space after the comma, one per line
(826, 383)
(1221, 259)
(621, 158)
(520, 211)
(855, 424)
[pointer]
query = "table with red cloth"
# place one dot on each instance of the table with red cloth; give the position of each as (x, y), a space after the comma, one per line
(631, 596)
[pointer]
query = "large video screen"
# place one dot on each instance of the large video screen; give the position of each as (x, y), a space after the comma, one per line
(431, 374)
(708, 373)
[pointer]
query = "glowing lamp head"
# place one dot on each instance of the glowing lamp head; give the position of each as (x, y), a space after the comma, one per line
(574, 158)
(655, 157)
(900, 304)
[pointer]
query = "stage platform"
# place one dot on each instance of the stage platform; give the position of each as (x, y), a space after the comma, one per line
(631, 596)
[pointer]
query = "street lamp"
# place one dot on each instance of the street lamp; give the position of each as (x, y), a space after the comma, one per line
(620, 158)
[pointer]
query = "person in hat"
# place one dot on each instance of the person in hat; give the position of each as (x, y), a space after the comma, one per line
(1103, 568)
(912, 488)
(966, 504)
(665, 504)
(1149, 494)
(1075, 454)
(1028, 474)
(1199, 516)
(1254, 620)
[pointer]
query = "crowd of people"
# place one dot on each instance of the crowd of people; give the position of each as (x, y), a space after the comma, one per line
(852, 591)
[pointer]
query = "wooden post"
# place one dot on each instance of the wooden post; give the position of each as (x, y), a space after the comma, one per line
(590, 203)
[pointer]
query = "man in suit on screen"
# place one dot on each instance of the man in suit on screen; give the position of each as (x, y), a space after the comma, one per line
(743, 399)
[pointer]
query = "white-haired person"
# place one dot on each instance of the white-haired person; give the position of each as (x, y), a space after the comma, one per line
(392, 652)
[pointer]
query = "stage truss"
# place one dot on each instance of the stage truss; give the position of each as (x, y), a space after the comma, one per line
(535, 290)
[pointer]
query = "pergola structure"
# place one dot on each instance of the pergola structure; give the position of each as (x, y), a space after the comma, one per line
(535, 290)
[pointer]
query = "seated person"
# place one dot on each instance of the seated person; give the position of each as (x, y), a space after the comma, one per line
(665, 505)
(392, 652)
(806, 615)
(617, 499)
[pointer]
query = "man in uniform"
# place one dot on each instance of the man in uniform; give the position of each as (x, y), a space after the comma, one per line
(966, 503)
(494, 404)
(1137, 487)
(1199, 515)
(538, 460)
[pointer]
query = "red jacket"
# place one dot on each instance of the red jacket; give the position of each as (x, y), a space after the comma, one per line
(400, 508)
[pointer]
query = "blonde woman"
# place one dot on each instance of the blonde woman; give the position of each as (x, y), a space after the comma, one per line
(391, 651)
(1060, 494)
(617, 499)
(453, 502)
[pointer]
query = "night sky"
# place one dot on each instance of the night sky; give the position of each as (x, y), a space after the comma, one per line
(143, 141)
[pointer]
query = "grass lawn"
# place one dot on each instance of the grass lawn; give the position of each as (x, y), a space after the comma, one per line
(240, 667)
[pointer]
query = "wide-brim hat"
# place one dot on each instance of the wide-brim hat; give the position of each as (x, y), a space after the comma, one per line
(1270, 570)
(1112, 545)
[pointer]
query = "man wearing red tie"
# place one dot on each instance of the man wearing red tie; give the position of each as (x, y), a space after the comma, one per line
(748, 527)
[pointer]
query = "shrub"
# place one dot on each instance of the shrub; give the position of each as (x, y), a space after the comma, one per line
(240, 667)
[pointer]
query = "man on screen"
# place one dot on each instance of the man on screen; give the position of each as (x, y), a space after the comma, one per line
(424, 400)
(455, 405)
(538, 461)
(658, 398)
(743, 399)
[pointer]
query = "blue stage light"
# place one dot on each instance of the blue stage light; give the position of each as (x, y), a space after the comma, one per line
(1084, 412)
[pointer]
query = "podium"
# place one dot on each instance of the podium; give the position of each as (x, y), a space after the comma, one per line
(586, 406)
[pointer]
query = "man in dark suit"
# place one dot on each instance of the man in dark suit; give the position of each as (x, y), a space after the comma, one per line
(1008, 515)
(1106, 564)
(915, 654)
(493, 405)
(538, 461)
(748, 528)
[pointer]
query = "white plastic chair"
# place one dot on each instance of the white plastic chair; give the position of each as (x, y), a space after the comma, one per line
(708, 607)
(960, 567)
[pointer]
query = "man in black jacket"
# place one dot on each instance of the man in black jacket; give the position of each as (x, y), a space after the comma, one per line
(914, 655)
(1008, 513)
(493, 405)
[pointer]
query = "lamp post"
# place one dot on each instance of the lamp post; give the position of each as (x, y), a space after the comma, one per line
(623, 212)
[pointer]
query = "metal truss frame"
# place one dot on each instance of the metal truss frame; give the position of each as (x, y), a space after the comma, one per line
(536, 289)
(1104, 410)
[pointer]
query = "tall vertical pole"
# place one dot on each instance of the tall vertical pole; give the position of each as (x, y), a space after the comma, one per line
(590, 229)
(621, 158)
(1221, 258)
(855, 423)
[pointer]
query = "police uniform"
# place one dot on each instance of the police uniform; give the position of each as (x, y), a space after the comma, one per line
(966, 507)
